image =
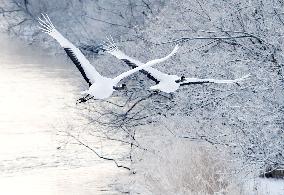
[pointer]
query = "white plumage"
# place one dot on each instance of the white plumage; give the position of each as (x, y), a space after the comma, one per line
(164, 82)
(100, 87)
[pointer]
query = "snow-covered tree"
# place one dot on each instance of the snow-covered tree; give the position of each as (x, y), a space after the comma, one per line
(224, 40)
(219, 39)
(85, 22)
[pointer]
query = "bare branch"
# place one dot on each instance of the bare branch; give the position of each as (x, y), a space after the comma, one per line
(94, 151)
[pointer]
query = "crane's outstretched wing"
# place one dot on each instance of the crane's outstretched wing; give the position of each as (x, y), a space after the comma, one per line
(192, 81)
(146, 65)
(150, 72)
(88, 71)
(157, 75)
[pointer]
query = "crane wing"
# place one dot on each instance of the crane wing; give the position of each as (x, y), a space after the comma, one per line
(146, 65)
(88, 71)
(191, 81)
(150, 72)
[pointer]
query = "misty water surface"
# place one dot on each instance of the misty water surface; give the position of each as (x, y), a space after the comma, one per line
(37, 98)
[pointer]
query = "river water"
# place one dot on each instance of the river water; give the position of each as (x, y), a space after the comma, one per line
(38, 95)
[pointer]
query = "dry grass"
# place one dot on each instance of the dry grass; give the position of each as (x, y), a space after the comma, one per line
(179, 166)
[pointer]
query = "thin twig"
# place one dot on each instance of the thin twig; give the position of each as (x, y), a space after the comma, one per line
(94, 151)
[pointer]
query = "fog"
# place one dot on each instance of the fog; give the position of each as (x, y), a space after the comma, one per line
(38, 95)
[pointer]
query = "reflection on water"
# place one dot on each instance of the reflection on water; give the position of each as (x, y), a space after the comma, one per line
(38, 92)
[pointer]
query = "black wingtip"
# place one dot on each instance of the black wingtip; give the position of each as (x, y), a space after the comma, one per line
(74, 59)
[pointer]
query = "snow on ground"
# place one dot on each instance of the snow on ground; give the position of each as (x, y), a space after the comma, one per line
(263, 186)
